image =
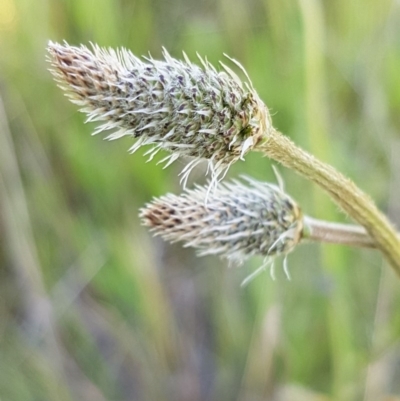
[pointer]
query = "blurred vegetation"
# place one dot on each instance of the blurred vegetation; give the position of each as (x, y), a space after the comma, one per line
(93, 308)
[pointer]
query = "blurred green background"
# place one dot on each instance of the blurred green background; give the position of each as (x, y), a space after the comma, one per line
(93, 308)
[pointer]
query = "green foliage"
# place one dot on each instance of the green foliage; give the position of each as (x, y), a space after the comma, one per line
(93, 308)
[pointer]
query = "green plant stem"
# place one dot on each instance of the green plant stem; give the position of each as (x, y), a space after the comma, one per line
(342, 190)
(336, 233)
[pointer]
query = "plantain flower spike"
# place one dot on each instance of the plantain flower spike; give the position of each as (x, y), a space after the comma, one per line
(186, 109)
(237, 222)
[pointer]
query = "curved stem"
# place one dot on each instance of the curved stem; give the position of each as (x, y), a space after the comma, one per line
(336, 233)
(342, 190)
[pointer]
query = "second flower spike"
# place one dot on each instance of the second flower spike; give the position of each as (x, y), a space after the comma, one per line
(237, 222)
(174, 105)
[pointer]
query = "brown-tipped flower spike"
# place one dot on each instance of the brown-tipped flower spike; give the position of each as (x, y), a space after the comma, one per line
(236, 222)
(173, 105)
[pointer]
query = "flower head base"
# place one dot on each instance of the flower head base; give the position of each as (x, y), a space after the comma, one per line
(173, 105)
(237, 222)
